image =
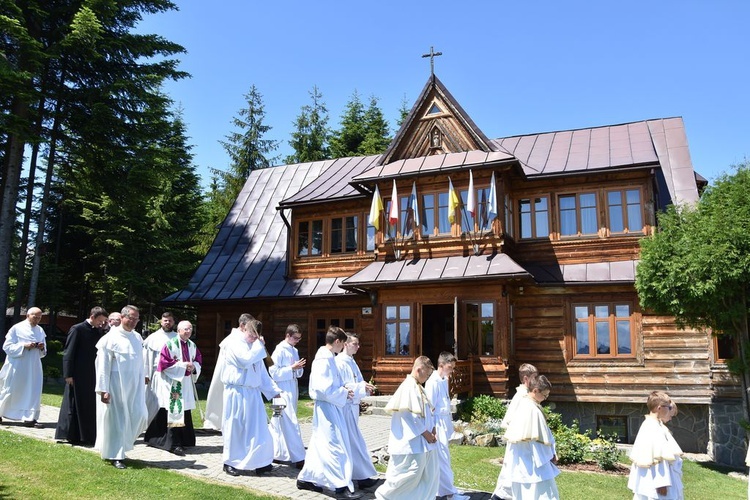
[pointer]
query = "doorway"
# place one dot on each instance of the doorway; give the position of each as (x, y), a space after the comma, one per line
(438, 330)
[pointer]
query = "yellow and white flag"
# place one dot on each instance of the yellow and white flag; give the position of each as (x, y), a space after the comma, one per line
(453, 202)
(375, 208)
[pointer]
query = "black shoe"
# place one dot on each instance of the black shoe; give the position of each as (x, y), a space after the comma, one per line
(307, 485)
(262, 470)
(299, 464)
(366, 483)
(231, 470)
(345, 493)
(178, 450)
(30, 423)
(119, 464)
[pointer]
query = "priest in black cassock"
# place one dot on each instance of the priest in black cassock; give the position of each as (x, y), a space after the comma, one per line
(77, 421)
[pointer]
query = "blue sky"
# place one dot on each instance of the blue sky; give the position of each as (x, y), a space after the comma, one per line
(515, 67)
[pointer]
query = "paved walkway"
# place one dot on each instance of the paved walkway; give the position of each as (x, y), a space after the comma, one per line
(204, 460)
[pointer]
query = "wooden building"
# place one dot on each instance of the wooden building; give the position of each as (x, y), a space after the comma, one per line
(536, 263)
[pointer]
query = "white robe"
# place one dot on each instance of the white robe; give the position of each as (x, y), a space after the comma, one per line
(413, 470)
(438, 393)
(21, 377)
(119, 371)
(247, 441)
(351, 375)
(675, 467)
(328, 463)
(503, 487)
(529, 453)
(652, 456)
(151, 350)
(287, 439)
(215, 397)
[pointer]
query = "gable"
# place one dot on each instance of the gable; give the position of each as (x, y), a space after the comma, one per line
(436, 125)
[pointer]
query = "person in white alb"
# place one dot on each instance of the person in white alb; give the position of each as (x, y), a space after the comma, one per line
(248, 445)
(287, 368)
(362, 468)
(121, 413)
(438, 391)
(526, 373)
(152, 347)
(21, 377)
(413, 470)
(530, 451)
(328, 463)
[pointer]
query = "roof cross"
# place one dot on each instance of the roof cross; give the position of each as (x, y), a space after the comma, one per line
(432, 55)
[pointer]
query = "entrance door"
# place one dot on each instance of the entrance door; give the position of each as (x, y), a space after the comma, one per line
(438, 330)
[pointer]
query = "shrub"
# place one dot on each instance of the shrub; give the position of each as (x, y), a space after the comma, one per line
(572, 445)
(482, 408)
(52, 372)
(605, 452)
(54, 346)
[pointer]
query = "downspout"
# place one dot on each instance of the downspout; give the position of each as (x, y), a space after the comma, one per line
(288, 269)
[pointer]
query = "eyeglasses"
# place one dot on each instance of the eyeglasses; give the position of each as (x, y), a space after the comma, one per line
(294, 337)
(668, 407)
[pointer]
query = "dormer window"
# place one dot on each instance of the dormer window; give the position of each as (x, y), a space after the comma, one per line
(434, 110)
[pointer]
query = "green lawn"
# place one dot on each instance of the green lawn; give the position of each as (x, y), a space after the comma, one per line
(39, 469)
(473, 469)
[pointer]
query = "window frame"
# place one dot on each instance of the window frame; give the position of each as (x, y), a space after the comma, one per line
(398, 320)
(624, 212)
(578, 209)
(480, 320)
(591, 320)
(533, 214)
(310, 221)
(363, 230)
(344, 233)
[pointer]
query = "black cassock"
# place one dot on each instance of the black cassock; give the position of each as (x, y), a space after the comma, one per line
(77, 421)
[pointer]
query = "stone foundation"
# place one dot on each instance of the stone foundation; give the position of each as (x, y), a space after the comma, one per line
(727, 444)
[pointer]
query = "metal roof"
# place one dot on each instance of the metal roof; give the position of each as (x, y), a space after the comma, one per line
(497, 265)
(587, 273)
(248, 256)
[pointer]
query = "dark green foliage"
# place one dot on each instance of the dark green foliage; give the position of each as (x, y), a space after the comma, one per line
(311, 134)
(605, 452)
(481, 408)
(572, 446)
(363, 131)
(54, 346)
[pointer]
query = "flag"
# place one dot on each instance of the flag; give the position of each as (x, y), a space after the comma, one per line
(492, 202)
(412, 210)
(471, 203)
(375, 209)
(393, 213)
(483, 217)
(453, 202)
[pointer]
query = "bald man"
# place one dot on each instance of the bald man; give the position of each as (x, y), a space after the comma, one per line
(21, 377)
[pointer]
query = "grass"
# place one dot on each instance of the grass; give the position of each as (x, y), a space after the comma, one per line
(38, 469)
(476, 468)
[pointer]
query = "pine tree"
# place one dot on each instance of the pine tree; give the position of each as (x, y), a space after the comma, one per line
(347, 140)
(311, 135)
(376, 130)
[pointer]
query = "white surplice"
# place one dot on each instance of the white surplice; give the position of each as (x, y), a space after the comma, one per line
(151, 350)
(529, 453)
(351, 375)
(652, 457)
(215, 397)
(176, 373)
(328, 463)
(247, 441)
(287, 439)
(21, 377)
(438, 392)
(119, 371)
(413, 469)
(503, 487)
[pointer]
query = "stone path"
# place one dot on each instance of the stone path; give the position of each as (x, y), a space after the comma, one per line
(204, 460)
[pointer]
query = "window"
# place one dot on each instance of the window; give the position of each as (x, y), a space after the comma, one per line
(371, 242)
(480, 327)
(398, 330)
(613, 425)
(604, 330)
(322, 324)
(578, 214)
(344, 234)
(434, 214)
(625, 211)
(534, 217)
(725, 347)
(481, 221)
(310, 238)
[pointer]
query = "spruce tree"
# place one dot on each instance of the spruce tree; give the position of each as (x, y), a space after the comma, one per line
(311, 135)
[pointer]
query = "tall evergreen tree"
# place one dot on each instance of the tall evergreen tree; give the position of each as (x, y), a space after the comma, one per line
(311, 135)
(346, 140)
(377, 135)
